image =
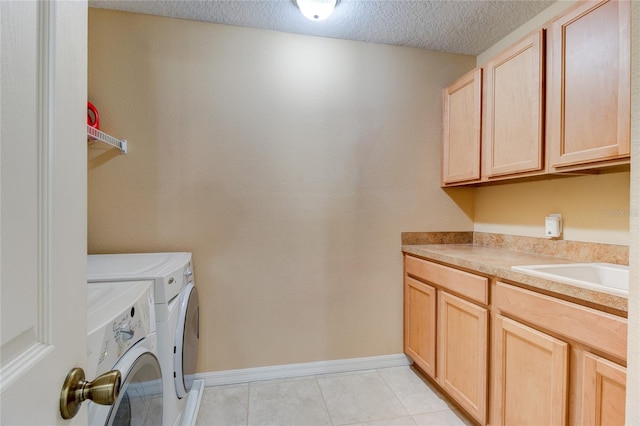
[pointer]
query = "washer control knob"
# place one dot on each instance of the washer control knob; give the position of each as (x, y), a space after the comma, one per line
(125, 332)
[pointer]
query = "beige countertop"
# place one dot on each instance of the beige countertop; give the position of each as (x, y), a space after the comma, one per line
(497, 262)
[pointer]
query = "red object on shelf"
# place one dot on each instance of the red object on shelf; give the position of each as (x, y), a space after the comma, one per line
(93, 118)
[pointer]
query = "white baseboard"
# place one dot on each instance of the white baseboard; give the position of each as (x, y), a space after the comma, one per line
(247, 375)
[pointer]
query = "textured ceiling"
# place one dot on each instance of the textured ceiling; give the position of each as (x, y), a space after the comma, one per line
(460, 26)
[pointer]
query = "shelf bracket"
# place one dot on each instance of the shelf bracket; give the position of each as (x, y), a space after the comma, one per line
(94, 134)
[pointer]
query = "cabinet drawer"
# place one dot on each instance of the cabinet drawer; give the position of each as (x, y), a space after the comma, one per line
(469, 285)
(599, 330)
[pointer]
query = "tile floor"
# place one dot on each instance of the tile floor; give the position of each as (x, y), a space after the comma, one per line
(389, 396)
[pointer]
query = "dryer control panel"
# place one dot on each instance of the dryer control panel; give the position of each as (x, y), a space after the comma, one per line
(170, 286)
(119, 315)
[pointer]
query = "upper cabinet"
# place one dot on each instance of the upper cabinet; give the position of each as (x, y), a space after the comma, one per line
(461, 129)
(513, 136)
(590, 117)
(556, 101)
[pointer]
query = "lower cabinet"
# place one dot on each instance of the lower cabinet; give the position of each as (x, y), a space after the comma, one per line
(553, 362)
(446, 335)
(545, 370)
(420, 324)
(603, 392)
(530, 376)
(462, 352)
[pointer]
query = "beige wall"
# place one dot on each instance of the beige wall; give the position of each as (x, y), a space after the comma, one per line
(288, 165)
(594, 208)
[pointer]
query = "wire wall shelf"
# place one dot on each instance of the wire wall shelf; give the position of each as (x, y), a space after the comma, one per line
(94, 134)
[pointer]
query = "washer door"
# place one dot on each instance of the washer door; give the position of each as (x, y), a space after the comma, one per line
(141, 399)
(187, 338)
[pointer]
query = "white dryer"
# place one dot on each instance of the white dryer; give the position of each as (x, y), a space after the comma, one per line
(177, 319)
(121, 335)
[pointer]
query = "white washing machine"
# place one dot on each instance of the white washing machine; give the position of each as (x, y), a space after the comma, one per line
(121, 335)
(177, 319)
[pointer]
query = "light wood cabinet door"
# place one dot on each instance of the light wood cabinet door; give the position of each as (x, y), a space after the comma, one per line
(514, 109)
(462, 353)
(589, 118)
(603, 393)
(461, 129)
(420, 324)
(529, 376)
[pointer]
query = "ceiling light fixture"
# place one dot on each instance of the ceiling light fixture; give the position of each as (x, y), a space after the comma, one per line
(316, 10)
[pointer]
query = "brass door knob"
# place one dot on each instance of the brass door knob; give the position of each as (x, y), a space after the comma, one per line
(104, 390)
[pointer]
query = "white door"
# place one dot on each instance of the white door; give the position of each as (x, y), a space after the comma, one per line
(43, 76)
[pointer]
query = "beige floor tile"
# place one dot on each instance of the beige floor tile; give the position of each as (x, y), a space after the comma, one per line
(224, 406)
(398, 421)
(287, 402)
(386, 397)
(358, 398)
(416, 396)
(440, 418)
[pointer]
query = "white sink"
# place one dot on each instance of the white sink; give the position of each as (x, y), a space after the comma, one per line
(604, 277)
